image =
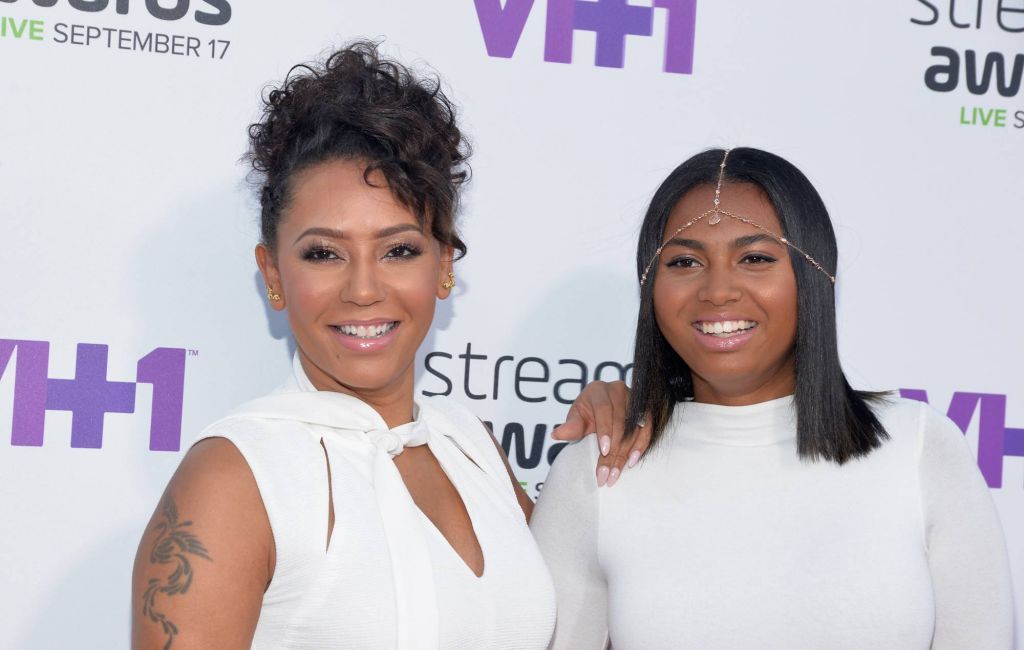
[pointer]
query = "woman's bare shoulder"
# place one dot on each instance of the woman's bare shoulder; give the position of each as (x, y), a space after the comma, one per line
(206, 555)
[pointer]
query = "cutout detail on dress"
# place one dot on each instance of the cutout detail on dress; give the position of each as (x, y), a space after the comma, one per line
(468, 457)
(330, 497)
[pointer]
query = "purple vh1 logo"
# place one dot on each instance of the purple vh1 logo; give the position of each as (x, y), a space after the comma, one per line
(995, 439)
(610, 20)
(89, 395)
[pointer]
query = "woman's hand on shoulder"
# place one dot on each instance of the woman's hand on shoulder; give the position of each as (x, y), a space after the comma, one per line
(206, 557)
(601, 409)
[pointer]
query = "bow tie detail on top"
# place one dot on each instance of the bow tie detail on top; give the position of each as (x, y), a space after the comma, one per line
(342, 427)
(394, 441)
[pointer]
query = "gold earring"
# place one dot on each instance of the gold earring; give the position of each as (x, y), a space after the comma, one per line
(450, 282)
(272, 295)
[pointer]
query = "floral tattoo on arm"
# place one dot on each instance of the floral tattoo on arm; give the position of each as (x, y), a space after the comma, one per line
(174, 546)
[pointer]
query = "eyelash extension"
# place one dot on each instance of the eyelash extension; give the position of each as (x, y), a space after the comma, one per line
(414, 250)
(764, 259)
(677, 262)
(761, 258)
(320, 252)
(313, 253)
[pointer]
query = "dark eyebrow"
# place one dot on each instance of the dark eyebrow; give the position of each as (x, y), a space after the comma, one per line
(334, 233)
(739, 242)
(686, 243)
(748, 240)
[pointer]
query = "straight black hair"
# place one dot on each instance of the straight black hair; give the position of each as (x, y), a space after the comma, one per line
(834, 421)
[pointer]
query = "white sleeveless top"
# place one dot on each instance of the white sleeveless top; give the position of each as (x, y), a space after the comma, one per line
(389, 578)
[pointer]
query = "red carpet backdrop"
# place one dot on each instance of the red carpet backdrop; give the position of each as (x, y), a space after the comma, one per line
(133, 315)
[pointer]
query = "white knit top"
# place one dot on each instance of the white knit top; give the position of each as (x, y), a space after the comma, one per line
(723, 538)
(389, 578)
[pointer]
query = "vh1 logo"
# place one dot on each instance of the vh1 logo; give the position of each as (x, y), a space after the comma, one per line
(90, 395)
(610, 20)
(995, 439)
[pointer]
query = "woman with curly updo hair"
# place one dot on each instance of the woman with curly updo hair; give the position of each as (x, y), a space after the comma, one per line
(339, 512)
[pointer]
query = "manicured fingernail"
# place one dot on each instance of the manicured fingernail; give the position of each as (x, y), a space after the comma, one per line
(606, 445)
(602, 475)
(614, 476)
(634, 458)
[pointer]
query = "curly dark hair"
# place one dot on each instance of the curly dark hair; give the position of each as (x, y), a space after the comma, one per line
(360, 105)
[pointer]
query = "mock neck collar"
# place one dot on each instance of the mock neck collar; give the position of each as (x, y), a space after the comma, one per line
(764, 423)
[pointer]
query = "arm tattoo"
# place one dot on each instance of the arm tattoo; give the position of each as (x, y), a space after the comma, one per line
(173, 545)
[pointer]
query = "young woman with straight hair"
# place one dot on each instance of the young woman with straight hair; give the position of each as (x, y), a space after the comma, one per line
(777, 507)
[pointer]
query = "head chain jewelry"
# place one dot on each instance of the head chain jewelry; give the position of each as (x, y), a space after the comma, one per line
(715, 215)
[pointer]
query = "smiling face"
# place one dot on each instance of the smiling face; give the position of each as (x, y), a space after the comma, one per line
(725, 298)
(359, 278)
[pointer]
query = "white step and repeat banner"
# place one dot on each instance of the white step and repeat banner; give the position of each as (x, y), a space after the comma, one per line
(132, 313)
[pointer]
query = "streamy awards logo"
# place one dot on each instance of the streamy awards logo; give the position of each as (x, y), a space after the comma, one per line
(992, 77)
(503, 22)
(90, 395)
(526, 380)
